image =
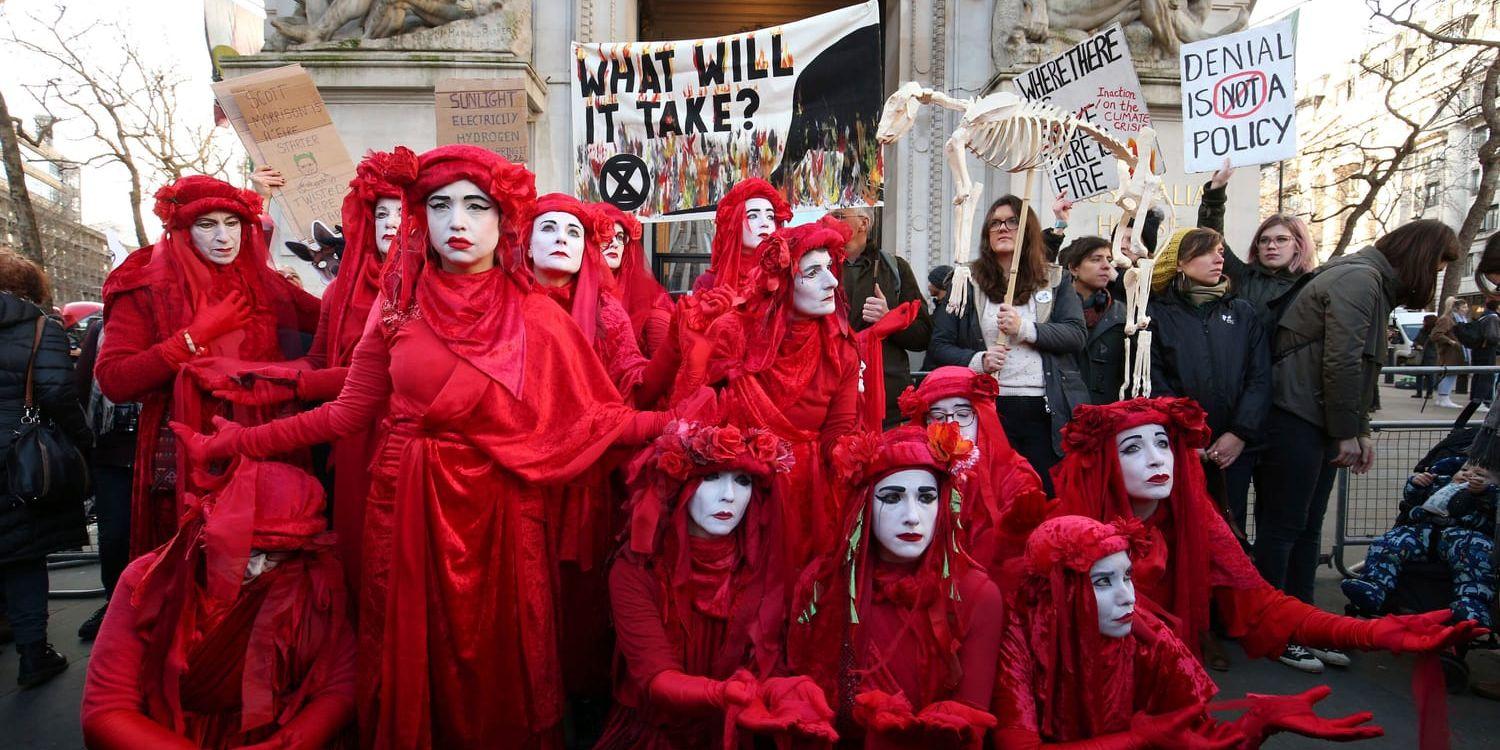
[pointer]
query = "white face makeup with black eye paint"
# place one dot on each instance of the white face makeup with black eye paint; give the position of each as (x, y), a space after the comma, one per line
(1114, 594)
(387, 223)
(719, 503)
(556, 247)
(216, 236)
(1146, 465)
(463, 227)
(813, 292)
(905, 511)
(760, 222)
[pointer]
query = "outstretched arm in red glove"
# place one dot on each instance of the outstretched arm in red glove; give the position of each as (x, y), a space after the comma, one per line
(1188, 728)
(1399, 634)
(792, 707)
(1268, 714)
(691, 694)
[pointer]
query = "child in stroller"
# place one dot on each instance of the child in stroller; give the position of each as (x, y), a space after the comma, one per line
(1447, 516)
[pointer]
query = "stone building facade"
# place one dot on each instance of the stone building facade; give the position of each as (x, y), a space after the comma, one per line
(76, 257)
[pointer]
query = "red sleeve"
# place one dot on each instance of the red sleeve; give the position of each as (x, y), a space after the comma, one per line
(657, 328)
(843, 406)
(132, 362)
(980, 651)
(111, 712)
(617, 347)
(309, 308)
(317, 354)
(365, 391)
(1014, 702)
(1266, 620)
(331, 709)
(639, 634)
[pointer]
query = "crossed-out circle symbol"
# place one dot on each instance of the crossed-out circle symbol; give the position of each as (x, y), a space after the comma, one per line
(623, 181)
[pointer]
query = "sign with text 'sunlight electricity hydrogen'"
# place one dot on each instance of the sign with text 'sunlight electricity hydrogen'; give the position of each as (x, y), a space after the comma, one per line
(1239, 97)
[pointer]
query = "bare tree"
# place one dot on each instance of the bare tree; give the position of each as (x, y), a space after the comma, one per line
(1377, 156)
(11, 135)
(128, 105)
(1458, 33)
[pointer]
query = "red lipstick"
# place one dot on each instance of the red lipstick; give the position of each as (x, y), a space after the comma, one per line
(909, 536)
(1159, 479)
(459, 243)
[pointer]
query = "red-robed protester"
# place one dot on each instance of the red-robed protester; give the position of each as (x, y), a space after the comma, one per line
(898, 625)
(748, 214)
(235, 633)
(648, 303)
(371, 220)
(1082, 668)
(205, 289)
(489, 392)
(1001, 483)
(697, 599)
(786, 362)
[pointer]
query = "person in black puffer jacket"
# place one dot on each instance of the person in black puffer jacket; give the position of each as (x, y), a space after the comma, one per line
(28, 533)
(1208, 345)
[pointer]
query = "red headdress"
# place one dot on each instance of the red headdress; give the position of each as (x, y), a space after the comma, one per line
(836, 588)
(582, 296)
(768, 309)
(265, 506)
(1001, 478)
(477, 316)
(349, 300)
(729, 221)
(1084, 685)
(735, 578)
(637, 289)
(1089, 483)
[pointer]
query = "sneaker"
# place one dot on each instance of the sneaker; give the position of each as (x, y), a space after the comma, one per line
(1301, 659)
(1331, 656)
(90, 627)
(39, 663)
(1365, 596)
(1446, 402)
(1482, 409)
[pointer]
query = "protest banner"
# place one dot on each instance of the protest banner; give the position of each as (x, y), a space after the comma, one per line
(1095, 80)
(490, 113)
(1239, 97)
(280, 117)
(666, 128)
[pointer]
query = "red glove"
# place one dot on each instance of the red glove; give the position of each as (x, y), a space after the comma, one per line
(218, 319)
(792, 706)
(955, 724)
(263, 386)
(322, 385)
(702, 405)
(881, 712)
(685, 692)
(1422, 633)
(1269, 714)
(201, 449)
(212, 373)
(1186, 728)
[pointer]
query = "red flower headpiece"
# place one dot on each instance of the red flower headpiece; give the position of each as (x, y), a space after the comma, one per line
(613, 214)
(863, 457)
(946, 382)
(371, 178)
(780, 253)
(511, 186)
(179, 202)
(1077, 542)
(1091, 426)
(689, 449)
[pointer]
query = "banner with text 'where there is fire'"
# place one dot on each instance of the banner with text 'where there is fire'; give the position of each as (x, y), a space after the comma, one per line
(664, 129)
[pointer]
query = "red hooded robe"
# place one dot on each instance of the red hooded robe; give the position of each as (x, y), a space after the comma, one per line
(730, 262)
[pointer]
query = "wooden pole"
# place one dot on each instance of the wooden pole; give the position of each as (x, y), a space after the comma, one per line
(1015, 257)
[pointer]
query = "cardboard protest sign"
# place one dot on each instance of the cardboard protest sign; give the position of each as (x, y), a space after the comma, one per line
(666, 128)
(490, 113)
(1095, 80)
(1239, 97)
(282, 121)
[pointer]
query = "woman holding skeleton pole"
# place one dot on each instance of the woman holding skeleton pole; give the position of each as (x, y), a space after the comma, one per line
(1024, 327)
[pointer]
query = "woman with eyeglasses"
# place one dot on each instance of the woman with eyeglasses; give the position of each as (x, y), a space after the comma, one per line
(1281, 251)
(1029, 346)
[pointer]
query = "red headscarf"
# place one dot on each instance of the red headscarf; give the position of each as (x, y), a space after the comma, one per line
(1001, 477)
(729, 223)
(837, 587)
(1084, 683)
(478, 316)
(637, 289)
(360, 270)
(185, 282)
(768, 287)
(263, 506)
(734, 578)
(581, 297)
(1089, 483)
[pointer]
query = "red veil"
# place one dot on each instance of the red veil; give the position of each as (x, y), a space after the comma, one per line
(1186, 527)
(352, 293)
(728, 263)
(640, 292)
(593, 275)
(838, 589)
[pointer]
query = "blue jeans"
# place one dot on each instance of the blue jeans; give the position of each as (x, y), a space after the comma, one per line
(1292, 484)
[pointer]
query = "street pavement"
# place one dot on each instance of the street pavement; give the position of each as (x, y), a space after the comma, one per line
(47, 718)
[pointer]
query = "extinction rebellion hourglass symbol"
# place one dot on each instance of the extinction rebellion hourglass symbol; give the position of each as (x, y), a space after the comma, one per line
(623, 181)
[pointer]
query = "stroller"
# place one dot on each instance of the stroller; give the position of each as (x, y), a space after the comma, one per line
(1426, 586)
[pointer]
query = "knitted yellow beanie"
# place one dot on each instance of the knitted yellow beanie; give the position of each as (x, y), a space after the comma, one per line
(1166, 261)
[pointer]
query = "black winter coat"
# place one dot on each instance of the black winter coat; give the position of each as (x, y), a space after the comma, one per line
(1267, 288)
(27, 533)
(1102, 361)
(1217, 355)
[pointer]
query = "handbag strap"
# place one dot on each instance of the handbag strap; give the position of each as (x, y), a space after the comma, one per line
(36, 345)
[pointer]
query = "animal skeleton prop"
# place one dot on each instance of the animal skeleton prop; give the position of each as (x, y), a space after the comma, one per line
(1014, 134)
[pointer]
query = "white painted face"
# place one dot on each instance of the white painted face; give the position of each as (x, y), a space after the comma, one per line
(813, 293)
(1114, 594)
(216, 236)
(760, 222)
(719, 503)
(556, 246)
(463, 227)
(387, 223)
(1146, 462)
(614, 252)
(906, 508)
(959, 411)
